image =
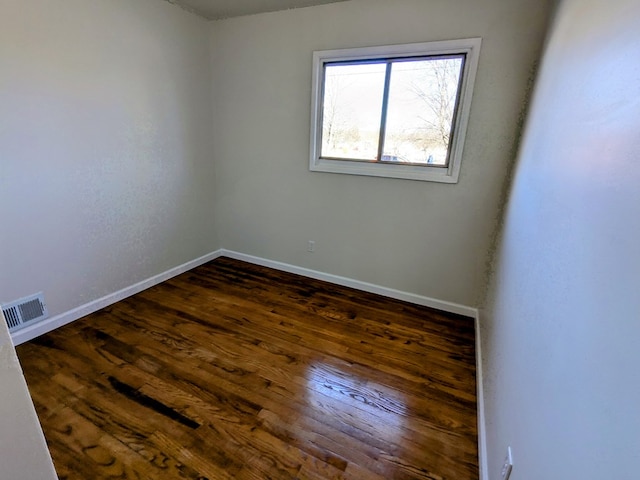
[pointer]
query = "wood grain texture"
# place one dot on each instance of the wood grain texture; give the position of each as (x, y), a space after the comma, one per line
(236, 371)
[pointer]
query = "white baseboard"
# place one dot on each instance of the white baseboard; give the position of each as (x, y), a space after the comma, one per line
(58, 321)
(399, 295)
(50, 324)
(482, 427)
(357, 284)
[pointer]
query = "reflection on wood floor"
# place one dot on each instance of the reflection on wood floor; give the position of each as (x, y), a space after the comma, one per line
(235, 371)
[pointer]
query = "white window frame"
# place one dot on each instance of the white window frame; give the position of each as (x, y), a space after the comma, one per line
(470, 47)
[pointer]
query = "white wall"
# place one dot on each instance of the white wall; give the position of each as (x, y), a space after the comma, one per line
(562, 323)
(106, 176)
(424, 238)
(24, 453)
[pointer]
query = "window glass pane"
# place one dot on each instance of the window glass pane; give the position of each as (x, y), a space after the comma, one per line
(352, 109)
(422, 100)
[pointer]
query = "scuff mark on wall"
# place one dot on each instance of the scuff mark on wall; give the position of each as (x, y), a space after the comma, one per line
(506, 188)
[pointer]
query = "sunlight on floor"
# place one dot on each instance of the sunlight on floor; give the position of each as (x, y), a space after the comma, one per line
(357, 401)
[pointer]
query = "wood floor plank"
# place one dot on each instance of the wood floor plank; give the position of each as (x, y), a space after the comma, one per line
(237, 371)
(362, 348)
(330, 382)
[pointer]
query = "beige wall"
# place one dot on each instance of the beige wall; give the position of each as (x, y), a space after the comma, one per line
(105, 169)
(108, 143)
(424, 238)
(106, 176)
(562, 323)
(24, 453)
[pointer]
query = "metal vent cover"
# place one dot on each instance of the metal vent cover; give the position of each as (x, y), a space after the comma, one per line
(20, 313)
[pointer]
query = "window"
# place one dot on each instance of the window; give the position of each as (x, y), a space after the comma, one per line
(398, 111)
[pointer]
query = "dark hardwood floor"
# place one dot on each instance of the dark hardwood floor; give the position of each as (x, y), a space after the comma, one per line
(235, 371)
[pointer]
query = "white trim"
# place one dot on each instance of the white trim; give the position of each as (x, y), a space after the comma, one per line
(482, 427)
(468, 46)
(408, 297)
(28, 333)
(357, 284)
(58, 321)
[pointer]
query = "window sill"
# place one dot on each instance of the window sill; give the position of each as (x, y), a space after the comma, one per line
(426, 173)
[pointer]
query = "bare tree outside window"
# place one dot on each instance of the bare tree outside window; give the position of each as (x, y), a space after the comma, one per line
(397, 111)
(333, 115)
(419, 96)
(422, 101)
(351, 111)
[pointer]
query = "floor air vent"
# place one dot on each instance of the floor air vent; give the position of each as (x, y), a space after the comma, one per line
(25, 311)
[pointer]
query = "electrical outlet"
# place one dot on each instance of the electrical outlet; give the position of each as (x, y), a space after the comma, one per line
(311, 246)
(507, 466)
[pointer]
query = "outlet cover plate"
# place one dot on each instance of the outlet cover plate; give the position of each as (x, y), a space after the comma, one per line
(507, 466)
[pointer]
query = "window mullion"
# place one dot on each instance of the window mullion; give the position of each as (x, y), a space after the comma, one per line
(383, 116)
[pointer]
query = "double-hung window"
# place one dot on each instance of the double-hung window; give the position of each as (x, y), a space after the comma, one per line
(398, 111)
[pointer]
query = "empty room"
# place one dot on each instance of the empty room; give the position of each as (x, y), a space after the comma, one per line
(298, 239)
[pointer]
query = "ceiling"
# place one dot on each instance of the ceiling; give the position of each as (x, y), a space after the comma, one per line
(217, 9)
